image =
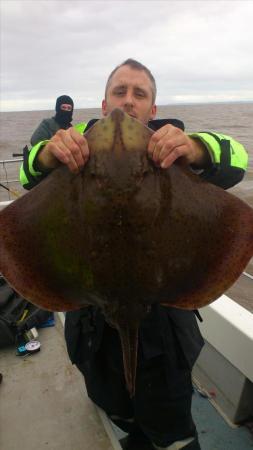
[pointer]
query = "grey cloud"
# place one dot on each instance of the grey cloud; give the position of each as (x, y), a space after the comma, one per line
(192, 47)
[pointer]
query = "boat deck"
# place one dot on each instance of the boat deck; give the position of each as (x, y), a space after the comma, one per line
(43, 403)
(214, 431)
(44, 406)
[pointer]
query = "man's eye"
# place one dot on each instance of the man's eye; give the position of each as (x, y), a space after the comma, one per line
(140, 94)
(121, 92)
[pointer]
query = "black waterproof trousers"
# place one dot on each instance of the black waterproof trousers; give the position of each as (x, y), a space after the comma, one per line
(161, 406)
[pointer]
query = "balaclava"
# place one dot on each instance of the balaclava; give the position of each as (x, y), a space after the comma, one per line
(64, 118)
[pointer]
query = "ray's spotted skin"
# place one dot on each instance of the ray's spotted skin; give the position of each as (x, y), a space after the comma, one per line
(123, 234)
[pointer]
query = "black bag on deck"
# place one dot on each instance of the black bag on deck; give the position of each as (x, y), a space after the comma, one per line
(17, 315)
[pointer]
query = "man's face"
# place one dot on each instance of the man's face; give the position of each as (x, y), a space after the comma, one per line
(131, 91)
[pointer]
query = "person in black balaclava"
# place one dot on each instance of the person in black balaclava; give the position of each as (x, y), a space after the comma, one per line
(47, 128)
(64, 110)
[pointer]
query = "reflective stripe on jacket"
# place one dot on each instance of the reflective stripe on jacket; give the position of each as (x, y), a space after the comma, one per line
(29, 176)
(229, 159)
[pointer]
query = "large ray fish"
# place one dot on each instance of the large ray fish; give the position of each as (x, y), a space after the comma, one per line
(123, 235)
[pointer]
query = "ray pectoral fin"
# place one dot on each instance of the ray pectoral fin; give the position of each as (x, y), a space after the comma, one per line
(129, 342)
(220, 246)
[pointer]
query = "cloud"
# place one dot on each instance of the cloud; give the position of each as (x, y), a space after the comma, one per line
(198, 51)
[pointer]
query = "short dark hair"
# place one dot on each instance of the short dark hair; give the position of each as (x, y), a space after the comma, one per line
(137, 66)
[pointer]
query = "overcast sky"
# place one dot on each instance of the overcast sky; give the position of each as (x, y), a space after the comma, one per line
(198, 51)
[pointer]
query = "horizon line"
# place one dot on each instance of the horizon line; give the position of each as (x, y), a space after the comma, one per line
(160, 105)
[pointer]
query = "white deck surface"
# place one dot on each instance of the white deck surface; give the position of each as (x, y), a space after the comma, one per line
(43, 403)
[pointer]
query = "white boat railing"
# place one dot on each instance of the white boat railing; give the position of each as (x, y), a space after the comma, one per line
(7, 161)
(4, 162)
(9, 178)
(5, 203)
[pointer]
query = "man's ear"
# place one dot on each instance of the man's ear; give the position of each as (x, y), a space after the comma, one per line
(104, 108)
(153, 112)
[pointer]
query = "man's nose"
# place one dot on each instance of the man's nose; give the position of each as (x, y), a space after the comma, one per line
(129, 98)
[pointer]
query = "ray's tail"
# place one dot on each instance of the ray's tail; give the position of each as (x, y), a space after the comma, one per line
(129, 343)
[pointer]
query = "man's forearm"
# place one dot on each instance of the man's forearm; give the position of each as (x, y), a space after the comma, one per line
(201, 158)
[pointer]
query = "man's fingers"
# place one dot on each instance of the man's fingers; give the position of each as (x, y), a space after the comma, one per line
(164, 141)
(168, 144)
(70, 144)
(81, 142)
(171, 157)
(165, 147)
(62, 154)
(70, 148)
(153, 145)
(54, 149)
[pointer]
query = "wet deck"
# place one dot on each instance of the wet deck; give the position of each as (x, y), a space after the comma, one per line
(43, 403)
